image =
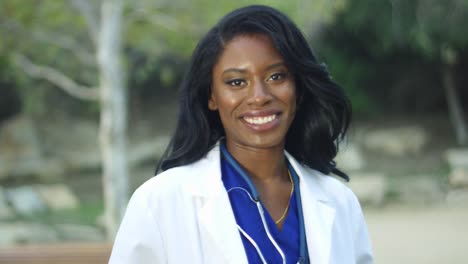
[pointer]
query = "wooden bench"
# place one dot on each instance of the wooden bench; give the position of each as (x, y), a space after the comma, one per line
(56, 254)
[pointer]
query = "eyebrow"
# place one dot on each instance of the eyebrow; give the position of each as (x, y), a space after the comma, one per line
(275, 65)
(235, 70)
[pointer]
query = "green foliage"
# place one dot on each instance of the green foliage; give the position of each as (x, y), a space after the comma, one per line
(379, 49)
(86, 214)
(55, 34)
(176, 26)
(48, 32)
(424, 26)
(351, 75)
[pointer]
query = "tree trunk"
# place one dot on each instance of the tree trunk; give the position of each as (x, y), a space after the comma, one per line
(455, 109)
(113, 122)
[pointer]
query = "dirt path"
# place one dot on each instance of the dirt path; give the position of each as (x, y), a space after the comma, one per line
(431, 235)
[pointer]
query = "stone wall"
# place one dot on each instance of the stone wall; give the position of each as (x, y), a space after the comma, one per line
(458, 177)
(398, 164)
(37, 159)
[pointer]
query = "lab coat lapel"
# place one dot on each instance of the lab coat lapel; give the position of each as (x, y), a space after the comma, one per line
(318, 218)
(318, 215)
(216, 219)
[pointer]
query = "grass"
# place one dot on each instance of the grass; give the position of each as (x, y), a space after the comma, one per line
(86, 214)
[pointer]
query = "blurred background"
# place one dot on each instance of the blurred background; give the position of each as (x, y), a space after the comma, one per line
(86, 85)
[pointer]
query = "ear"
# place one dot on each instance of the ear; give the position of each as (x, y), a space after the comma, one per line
(212, 105)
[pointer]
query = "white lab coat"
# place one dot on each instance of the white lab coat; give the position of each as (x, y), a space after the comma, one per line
(184, 216)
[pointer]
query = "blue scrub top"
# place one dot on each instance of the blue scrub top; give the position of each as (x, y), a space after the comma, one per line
(249, 219)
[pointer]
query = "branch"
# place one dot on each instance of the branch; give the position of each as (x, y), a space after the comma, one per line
(157, 19)
(56, 77)
(67, 43)
(61, 41)
(91, 19)
(162, 20)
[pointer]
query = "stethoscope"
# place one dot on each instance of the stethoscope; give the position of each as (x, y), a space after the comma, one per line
(255, 197)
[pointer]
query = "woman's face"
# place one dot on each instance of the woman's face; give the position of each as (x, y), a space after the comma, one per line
(254, 93)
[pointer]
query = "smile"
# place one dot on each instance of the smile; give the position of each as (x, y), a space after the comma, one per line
(260, 120)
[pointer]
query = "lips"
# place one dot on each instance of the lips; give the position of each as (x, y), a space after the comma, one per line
(260, 120)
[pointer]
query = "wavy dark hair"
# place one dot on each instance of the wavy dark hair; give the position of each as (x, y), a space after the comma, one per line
(323, 111)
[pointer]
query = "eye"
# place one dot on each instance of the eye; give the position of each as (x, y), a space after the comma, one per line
(277, 76)
(235, 82)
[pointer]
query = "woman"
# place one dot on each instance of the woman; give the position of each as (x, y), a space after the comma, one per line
(245, 176)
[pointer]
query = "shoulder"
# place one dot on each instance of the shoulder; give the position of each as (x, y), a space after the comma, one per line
(170, 178)
(334, 190)
(170, 182)
(201, 176)
(348, 217)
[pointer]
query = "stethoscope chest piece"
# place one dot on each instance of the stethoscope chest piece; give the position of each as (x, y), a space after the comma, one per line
(304, 258)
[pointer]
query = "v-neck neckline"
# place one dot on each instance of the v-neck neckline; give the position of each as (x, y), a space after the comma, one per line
(291, 210)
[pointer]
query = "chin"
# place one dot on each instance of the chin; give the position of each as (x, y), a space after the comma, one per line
(265, 142)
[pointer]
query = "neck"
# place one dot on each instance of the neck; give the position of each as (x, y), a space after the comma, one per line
(262, 165)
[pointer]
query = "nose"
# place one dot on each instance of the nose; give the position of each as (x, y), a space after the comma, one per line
(259, 94)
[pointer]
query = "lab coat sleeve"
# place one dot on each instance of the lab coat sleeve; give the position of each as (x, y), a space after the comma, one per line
(138, 240)
(362, 244)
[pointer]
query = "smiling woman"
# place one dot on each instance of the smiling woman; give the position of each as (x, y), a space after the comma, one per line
(245, 177)
(253, 93)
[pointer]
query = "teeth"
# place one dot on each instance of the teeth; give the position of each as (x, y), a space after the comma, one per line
(259, 120)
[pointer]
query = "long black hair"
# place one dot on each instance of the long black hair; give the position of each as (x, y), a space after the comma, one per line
(323, 111)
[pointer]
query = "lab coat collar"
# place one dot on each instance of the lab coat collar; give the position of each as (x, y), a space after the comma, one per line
(217, 219)
(319, 213)
(208, 181)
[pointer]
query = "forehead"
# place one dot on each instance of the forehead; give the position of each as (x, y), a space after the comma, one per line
(248, 50)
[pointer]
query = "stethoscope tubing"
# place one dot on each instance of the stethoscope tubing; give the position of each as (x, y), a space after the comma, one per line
(256, 197)
(303, 252)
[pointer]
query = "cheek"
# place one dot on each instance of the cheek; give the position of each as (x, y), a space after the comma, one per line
(294, 101)
(288, 96)
(293, 96)
(227, 102)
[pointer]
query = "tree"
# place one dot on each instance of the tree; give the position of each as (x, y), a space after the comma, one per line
(104, 31)
(113, 121)
(434, 30)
